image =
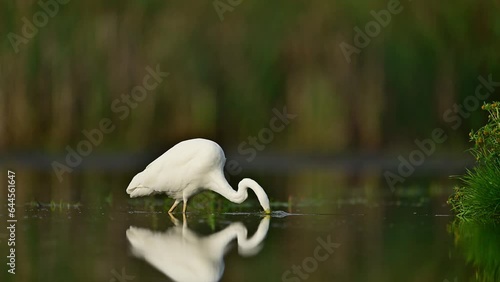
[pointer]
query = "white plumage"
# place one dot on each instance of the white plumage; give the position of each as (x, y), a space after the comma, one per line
(188, 168)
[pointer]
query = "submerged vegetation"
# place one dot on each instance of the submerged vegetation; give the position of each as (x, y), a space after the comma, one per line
(479, 198)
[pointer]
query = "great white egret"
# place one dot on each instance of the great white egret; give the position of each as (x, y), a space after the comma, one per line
(188, 168)
(183, 255)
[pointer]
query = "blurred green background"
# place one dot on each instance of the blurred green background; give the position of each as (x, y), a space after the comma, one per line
(228, 72)
(226, 76)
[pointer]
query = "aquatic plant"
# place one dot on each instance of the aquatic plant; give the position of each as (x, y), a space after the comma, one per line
(478, 199)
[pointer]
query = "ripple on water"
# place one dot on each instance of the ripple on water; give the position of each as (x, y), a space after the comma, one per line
(279, 214)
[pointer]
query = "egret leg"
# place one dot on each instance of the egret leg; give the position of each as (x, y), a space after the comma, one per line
(174, 206)
(184, 206)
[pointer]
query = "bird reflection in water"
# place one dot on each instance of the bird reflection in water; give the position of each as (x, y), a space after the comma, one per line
(183, 255)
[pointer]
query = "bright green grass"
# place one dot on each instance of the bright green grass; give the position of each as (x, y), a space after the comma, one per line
(479, 197)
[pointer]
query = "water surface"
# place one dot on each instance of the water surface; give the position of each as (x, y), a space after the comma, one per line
(342, 228)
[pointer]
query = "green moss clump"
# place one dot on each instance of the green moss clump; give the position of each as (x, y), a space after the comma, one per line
(479, 198)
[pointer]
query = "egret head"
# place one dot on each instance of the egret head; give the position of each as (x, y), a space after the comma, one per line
(136, 187)
(259, 191)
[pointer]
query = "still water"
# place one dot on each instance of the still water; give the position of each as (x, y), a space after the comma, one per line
(341, 229)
